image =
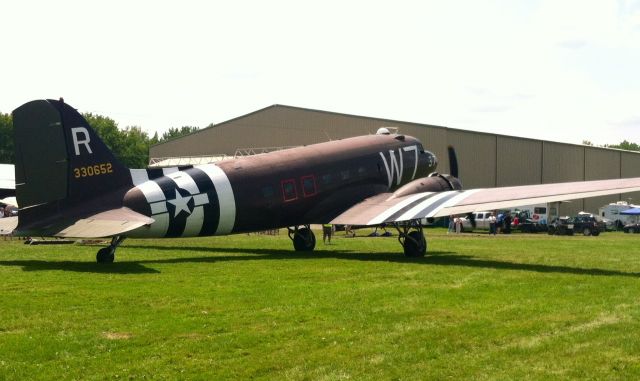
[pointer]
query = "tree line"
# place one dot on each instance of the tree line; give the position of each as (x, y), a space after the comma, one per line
(130, 144)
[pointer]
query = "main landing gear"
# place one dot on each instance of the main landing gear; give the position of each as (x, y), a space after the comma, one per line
(108, 254)
(411, 237)
(303, 238)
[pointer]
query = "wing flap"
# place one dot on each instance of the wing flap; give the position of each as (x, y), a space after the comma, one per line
(386, 208)
(106, 224)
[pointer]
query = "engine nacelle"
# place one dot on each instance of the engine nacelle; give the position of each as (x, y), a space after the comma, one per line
(434, 183)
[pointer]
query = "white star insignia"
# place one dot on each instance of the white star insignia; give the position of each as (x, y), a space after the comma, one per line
(180, 203)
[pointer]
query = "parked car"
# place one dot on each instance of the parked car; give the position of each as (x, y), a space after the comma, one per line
(561, 226)
(586, 224)
(631, 228)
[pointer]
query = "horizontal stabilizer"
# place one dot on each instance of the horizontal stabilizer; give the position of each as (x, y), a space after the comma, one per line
(106, 224)
(8, 225)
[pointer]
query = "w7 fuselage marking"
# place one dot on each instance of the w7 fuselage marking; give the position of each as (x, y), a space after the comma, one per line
(395, 169)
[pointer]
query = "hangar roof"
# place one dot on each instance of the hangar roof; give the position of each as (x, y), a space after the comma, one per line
(390, 121)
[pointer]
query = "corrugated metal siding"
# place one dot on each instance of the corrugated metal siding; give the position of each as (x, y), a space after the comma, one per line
(562, 163)
(519, 161)
(600, 164)
(630, 167)
(476, 157)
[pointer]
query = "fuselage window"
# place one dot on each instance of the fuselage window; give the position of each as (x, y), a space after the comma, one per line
(362, 171)
(308, 185)
(289, 192)
(326, 179)
(344, 175)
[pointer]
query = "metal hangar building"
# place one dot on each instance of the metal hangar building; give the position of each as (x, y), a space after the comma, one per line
(485, 160)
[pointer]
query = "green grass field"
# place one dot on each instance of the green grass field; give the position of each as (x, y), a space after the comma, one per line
(247, 307)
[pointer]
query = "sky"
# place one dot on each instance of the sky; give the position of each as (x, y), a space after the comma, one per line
(557, 70)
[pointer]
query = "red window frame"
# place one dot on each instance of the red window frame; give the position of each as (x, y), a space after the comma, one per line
(284, 193)
(315, 187)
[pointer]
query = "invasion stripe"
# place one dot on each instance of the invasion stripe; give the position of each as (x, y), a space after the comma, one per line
(139, 176)
(382, 217)
(212, 209)
(176, 223)
(225, 197)
(402, 211)
(194, 221)
(454, 201)
(421, 211)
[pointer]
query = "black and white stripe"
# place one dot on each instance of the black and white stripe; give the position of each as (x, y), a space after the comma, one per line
(188, 201)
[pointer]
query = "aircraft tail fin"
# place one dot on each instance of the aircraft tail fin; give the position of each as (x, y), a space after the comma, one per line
(60, 160)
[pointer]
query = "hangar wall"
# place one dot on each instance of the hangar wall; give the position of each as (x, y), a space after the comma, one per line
(485, 160)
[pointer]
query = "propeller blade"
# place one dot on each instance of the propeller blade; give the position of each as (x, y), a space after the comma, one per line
(453, 161)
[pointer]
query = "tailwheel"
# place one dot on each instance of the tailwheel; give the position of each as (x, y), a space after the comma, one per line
(108, 254)
(411, 237)
(303, 238)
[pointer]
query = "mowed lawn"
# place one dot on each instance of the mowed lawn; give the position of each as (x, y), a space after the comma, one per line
(248, 307)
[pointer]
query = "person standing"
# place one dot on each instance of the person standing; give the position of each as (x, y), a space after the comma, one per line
(492, 224)
(327, 231)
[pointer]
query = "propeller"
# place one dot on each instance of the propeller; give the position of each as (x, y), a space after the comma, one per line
(453, 161)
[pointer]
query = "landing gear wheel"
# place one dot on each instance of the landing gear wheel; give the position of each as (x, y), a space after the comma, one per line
(415, 245)
(108, 254)
(304, 240)
(105, 255)
(586, 231)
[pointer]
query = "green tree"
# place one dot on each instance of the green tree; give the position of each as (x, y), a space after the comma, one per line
(6, 139)
(175, 132)
(629, 146)
(130, 146)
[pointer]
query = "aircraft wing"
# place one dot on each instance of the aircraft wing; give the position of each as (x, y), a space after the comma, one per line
(105, 224)
(386, 208)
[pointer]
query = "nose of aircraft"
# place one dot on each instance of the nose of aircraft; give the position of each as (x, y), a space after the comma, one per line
(428, 162)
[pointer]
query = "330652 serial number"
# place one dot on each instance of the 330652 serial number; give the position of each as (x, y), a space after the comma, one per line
(92, 170)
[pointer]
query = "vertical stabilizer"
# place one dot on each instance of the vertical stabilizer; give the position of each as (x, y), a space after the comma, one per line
(60, 159)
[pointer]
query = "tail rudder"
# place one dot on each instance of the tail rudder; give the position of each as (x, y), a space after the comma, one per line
(60, 157)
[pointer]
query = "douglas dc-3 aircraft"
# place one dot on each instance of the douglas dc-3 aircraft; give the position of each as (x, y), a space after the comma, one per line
(69, 184)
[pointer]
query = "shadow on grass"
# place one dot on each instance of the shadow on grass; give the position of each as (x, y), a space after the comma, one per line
(438, 258)
(82, 267)
(434, 258)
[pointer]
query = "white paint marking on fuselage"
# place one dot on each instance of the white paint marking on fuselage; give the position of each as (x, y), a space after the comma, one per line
(184, 181)
(151, 191)
(157, 229)
(226, 197)
(139, 176)
(413, 148)
(166, 171)
(194, 222)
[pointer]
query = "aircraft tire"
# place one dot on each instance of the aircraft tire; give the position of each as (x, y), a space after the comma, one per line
(105, 255)
(415, 245)
(304, 240)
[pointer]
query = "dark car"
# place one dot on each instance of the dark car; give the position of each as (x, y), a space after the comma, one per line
(631, 228)
(586, 224)
(561, 226)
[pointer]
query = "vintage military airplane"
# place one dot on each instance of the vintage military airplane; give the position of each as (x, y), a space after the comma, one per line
(69, 184)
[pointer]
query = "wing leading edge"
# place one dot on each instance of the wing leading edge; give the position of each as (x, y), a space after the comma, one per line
(386, 208)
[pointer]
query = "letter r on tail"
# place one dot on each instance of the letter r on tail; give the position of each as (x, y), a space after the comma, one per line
(75, 131)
